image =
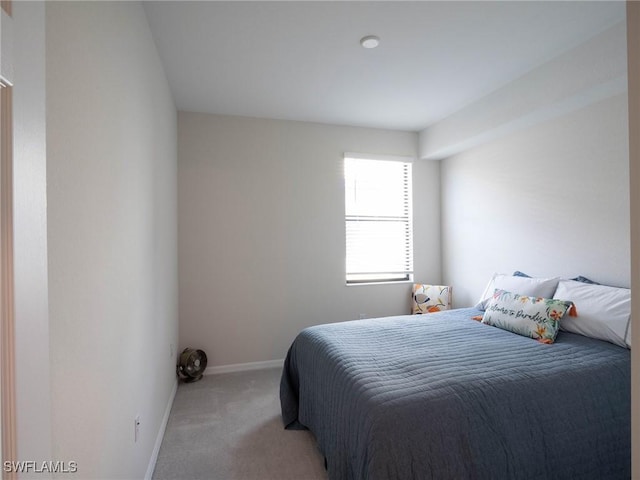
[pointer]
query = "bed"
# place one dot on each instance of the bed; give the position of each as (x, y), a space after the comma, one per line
(442, 396)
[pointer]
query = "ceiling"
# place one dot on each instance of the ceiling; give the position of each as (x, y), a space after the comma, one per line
(303, 60)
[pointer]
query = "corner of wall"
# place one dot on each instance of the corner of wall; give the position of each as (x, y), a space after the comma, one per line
(586, 74)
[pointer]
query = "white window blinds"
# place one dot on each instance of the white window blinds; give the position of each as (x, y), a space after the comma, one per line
(378, 217)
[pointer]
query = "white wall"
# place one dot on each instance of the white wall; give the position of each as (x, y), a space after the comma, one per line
(112, 234)
(261, 232)
(590, 72)
(549, 200)
(30, 235)
(535, 175)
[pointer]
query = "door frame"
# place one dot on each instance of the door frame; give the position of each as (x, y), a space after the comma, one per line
(7, 308)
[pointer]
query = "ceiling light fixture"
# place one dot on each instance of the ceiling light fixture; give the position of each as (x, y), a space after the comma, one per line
(370, 41)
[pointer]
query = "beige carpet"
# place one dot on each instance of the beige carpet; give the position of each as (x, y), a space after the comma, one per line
(229, 427)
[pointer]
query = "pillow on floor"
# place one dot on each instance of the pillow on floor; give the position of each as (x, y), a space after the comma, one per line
(533, 317)
(532, 287)
(430, 298)
(603, 312)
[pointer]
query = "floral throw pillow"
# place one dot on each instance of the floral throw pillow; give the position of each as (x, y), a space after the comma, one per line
(533, 317)
(430, 298)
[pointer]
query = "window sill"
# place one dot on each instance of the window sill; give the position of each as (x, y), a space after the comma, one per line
(399, 282)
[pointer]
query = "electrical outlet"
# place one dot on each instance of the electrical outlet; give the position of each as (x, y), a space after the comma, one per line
(363, 316)
(136, 432)
(171, 350)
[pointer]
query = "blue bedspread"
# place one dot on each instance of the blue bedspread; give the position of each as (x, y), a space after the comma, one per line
(441, 396)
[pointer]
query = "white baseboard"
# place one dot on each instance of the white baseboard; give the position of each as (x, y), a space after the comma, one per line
(244, 367)
(163, 427)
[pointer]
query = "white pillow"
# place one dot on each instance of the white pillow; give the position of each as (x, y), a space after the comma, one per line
(603, 312)
(531, 287)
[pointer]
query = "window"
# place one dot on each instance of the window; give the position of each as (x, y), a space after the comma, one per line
(378, 218)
